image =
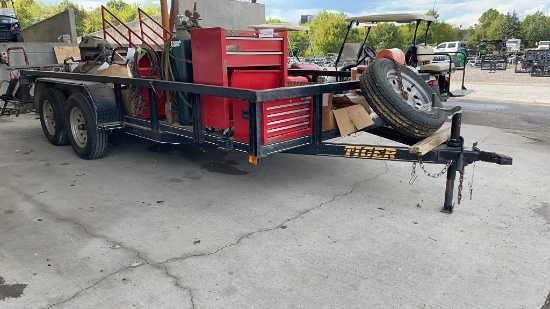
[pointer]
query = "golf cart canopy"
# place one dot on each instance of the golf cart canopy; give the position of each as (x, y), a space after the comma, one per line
(397, 18)
(369, 20)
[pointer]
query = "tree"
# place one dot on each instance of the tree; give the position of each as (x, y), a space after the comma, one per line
(489, 23)
(30, 12)
(328, 31)
(386, 35)
(296, 40)
(79, 14)
(534, 28)
(509, 28)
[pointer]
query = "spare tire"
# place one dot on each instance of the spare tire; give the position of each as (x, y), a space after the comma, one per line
(413, 116)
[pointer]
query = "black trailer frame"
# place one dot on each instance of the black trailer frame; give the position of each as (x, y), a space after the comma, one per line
(494, 62)
(453, 154)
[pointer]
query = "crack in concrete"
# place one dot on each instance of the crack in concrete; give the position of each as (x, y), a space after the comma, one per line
(87, 288)
(247, 235)
(136, 252)
(162, 265)
(487, 137)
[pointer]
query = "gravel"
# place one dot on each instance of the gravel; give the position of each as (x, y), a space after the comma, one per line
(503, 85)
(476, 75)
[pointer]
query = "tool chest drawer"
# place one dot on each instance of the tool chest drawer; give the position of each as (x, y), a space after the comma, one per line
(280, 120)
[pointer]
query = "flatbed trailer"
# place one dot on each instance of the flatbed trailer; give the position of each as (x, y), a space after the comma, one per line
(103, 100)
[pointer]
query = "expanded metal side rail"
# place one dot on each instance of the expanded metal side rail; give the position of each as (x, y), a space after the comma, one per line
(494, 62)
(452, 154)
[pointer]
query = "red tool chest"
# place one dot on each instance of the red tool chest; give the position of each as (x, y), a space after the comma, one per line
(242, 59)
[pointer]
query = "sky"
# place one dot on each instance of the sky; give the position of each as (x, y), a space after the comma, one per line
(454, 12)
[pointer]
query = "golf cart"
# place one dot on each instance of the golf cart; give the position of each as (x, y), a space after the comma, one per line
(419, 56)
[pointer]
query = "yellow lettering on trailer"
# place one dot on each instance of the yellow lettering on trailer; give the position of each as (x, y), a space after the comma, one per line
(365, 152)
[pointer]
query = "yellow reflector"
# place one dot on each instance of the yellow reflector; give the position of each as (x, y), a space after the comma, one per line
(253, 160)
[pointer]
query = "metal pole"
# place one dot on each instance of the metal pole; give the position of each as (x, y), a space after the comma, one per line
(197, 118)
(165, 17)
(155, 125)
(255, 129)
(455, 140)
(449, 189)
(317, 129)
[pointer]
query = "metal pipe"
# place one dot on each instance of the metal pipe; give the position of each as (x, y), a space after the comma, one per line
(449, 189)
(165, 17)
(455, 128)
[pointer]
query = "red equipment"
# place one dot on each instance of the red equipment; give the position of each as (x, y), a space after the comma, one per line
(244, 59)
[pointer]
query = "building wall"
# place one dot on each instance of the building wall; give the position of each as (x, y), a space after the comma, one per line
(50, 29)
(38, 54)
(228, 14)
(115, 37)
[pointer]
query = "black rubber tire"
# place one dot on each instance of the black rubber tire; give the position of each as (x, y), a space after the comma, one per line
(51, 109)
(18, 37)
(88, 141)
(409, 121)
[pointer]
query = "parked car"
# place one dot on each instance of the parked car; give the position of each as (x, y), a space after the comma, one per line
(450, 47)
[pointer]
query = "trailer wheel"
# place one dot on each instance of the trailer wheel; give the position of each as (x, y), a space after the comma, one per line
(88, 141)
(412, 117)
(50, 108)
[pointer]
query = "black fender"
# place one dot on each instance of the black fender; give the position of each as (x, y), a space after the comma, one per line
(109, 112)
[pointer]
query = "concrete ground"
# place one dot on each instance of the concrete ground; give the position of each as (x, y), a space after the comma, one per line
(151, 226)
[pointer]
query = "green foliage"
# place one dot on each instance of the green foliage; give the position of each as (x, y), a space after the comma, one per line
(328, 31)
(385, 35)
(30, 12)
(509, 27)
(327, 28)
(534, 28)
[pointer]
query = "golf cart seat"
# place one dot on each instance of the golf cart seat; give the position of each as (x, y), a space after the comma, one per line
(425, 54)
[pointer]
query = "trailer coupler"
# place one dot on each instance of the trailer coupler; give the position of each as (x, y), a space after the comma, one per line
(451, 153)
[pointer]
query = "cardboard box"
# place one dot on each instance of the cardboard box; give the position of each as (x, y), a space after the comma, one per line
(346, 100)
(329, 122)
(351, 119)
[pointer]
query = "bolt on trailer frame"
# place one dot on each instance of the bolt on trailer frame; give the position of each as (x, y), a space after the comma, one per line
(110, 116)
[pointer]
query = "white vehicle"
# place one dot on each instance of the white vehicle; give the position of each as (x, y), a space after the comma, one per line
(513, 45)
(450, 47)
(543, 45)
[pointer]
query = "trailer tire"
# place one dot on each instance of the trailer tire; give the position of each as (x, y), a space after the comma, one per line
(51, 111)
(413, 118)
(88, 141)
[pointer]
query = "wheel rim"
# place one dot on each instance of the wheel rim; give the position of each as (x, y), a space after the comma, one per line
(78, 127)
(418, 98)
(48, 117)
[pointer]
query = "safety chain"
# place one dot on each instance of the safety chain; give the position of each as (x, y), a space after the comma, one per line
(460, 181)
(414, 175)
(180, 59)
(471, 183)
(404, 94)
